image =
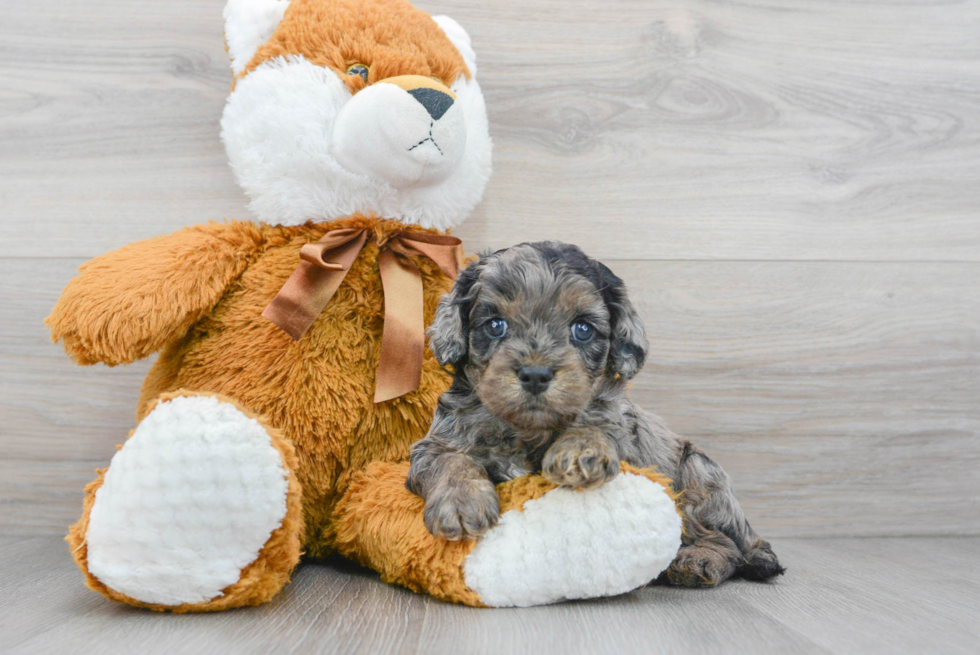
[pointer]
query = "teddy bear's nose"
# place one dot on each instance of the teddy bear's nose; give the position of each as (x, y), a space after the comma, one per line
(435, 102)
(432, 94)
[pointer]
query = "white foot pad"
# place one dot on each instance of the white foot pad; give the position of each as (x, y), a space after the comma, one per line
(577, 544)
(188, 502)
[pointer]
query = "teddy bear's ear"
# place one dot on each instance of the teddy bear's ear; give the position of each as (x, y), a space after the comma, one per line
(460, 39)
(249, 24)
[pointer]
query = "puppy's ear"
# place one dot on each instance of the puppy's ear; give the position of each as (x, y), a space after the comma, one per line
(628, 347)
(449, 332)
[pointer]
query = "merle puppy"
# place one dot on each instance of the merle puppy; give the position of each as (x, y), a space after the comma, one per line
(542, 340)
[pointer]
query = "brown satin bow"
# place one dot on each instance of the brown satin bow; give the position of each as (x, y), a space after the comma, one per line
(324, 267)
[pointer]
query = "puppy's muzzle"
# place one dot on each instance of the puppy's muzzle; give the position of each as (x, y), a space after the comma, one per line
(535, 378)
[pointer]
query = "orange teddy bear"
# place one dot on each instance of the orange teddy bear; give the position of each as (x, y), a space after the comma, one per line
(292, 376)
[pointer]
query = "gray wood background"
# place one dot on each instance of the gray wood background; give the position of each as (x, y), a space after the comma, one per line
(791, 188)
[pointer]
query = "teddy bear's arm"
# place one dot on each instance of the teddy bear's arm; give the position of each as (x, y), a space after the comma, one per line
(129, 303)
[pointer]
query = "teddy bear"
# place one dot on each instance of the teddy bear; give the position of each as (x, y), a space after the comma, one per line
(292, 376)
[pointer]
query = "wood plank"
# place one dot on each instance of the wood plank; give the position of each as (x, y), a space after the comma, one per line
(841, 398)
(736, 130)
(829, 391)
(740, 130)
(880, 595)
(324, 607)
(840, 596)
(110, 124)
(53, 409)
(653, 620)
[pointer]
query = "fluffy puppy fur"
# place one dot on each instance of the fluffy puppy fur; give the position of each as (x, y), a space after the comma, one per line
(543, 340)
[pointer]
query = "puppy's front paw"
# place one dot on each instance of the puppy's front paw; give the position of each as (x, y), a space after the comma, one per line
(465, 510)
(581, 458)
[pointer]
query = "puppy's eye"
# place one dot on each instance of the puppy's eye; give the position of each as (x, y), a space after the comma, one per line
(359, 69)
(582, 332)
(496, 328)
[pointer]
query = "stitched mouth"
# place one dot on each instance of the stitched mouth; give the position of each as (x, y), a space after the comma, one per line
(428, 139)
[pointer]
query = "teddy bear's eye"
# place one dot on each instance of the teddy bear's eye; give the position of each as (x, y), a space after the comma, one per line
(359, 69)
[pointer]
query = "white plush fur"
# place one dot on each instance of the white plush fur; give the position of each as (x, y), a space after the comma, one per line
(577, 544)
(460, 39)
(385, 133)
(287, 123)
(249, 24)
(188, 502)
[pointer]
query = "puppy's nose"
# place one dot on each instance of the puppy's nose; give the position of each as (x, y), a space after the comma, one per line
(435, 102)
(535, 379)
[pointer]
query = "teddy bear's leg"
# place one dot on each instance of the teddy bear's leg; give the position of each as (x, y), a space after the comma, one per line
(550, 544)
(198, 511)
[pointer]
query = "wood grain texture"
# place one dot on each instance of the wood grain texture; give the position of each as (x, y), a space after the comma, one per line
(841, 398)
(649, 129)
(839, 596)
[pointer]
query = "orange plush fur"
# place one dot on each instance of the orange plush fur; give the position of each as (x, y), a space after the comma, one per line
(380, 525)
(203, 290)
(386, 33)
(197, 296)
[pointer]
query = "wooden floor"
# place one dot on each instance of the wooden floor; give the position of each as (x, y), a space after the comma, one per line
(874, 595)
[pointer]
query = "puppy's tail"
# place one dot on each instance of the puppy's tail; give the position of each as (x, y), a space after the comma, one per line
(760, 563)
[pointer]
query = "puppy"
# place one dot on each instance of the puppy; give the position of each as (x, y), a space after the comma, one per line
(543, 340)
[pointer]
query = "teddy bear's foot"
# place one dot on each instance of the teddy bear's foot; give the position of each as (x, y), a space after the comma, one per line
(199, 510)
(550, 544)
(567, 544)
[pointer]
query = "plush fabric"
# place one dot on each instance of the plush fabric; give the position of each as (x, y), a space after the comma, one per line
(252, 448)
(258, 581)
(379, 524)
(249, 24)
(316, 392)
(390, 36)
(570, 544)
(188, 504)
(305, 144)
(552, 544)
(280, 126)
(130, 303)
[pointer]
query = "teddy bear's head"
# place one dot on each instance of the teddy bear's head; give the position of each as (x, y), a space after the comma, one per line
(354, 106)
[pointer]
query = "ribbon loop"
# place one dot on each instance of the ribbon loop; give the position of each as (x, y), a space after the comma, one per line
(322, 269)
(316, 254)
(445, 251)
